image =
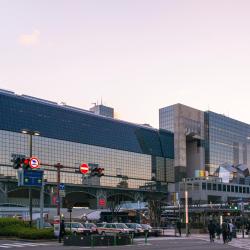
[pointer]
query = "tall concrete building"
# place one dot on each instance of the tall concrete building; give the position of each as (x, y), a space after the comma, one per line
(187, 124)
(205, 140)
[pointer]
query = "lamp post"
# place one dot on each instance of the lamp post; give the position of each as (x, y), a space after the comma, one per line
(30, 133)
(186, 207)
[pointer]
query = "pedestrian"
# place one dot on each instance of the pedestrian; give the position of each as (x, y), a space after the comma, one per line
(225, 231)
(211, 230)
(248, 228)
(178, 225)
(218, 230)
(62, 230)
(231, 227)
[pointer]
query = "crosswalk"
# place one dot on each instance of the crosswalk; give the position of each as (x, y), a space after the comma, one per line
(238, 242)
(21, 245)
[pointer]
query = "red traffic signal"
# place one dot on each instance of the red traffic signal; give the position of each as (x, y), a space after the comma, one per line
(25, 163)
(100, 172)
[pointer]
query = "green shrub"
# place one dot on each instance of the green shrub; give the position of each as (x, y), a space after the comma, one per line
(30, 233)
(20, 229)
(11, 222)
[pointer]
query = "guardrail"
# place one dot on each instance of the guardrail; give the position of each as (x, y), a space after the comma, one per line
(98, 240)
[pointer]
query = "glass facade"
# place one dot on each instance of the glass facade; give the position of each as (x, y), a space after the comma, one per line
(72, 136)
(227, 141)
(167, 118)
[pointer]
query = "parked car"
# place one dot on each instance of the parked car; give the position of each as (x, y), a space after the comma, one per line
(92, 227)
(136, 227)
(151, 231)
(47, 225)
(114, 228)
(77, 228)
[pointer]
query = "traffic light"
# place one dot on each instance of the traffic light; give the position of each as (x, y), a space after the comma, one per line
(17, 163)
(97, 171)
(100, 172)
(26, 163)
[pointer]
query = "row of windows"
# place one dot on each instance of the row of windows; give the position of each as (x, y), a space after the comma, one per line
(70, 154)
(225, 188)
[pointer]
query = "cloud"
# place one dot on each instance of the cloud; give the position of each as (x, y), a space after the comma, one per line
(30, 40)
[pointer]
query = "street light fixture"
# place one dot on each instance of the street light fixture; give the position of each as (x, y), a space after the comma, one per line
(30, 133)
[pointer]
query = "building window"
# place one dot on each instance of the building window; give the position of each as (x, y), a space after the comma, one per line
(228, 188)
(204, 186)
(219, 187)
(236, 189)
(248, 190)
(196, 186)
(240, 189)
(224, 188)
(244, 190)
(209, 187)
(232, 188)
(214, 187)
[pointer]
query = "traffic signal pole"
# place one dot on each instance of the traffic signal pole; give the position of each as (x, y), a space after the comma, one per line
(30, 190)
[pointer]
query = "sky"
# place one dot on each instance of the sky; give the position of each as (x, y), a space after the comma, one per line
(135, 55)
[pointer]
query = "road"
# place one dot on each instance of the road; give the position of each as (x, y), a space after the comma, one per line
(191, 243)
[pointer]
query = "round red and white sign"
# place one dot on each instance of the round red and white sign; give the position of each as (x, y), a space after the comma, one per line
(34, 162)
(84, 168)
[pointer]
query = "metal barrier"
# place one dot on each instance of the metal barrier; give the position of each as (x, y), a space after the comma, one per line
(99, 240)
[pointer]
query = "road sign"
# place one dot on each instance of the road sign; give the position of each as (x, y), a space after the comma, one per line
(34, 162)
(32, 178)
(56, 225)
(84, 168)
(62, 186)
(62, 193)
(102, 202)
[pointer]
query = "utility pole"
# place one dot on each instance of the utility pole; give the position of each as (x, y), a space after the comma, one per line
(58, 167)
(30, 133)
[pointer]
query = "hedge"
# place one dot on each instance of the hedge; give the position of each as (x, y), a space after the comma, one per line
(20, 229)
(12, 222)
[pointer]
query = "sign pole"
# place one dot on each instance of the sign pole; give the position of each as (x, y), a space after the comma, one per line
(30, 190)
(42, 203)
(58, 191)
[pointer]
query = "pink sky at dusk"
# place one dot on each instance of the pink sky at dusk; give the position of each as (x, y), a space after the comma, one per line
(137, 55)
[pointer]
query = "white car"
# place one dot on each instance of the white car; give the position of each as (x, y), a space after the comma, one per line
(114, 228)
(76, 228)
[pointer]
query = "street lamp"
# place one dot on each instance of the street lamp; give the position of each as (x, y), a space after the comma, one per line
(30, 133)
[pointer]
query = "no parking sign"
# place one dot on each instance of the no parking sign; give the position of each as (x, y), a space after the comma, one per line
(34, 163)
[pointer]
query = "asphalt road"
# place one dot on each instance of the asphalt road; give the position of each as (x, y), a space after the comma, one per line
(171, 244)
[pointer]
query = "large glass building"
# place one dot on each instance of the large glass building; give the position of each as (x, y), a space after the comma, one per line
(227, 141)
(133, 156)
